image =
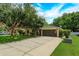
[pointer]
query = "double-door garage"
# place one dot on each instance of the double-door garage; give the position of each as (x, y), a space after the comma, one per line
(54, 32)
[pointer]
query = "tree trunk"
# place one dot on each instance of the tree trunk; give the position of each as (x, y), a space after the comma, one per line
(12, 28)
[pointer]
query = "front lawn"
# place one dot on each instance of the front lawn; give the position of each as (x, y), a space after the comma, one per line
(68, 49)
(8, 38)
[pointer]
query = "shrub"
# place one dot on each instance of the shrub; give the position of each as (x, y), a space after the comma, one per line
(67, 33)
(22, 32)
(6, 39)
(61, 32)
(3, 28)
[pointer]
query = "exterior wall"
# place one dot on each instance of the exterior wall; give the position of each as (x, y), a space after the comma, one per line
(28, 31)
(57, 32)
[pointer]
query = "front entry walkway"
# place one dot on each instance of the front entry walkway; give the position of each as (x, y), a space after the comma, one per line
(39, 46)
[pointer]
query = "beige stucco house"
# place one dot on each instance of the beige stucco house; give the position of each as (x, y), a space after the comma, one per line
(44, 31)
(49, 31)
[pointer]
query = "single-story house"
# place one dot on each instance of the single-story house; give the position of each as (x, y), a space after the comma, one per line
(44, 31)
(49, 31)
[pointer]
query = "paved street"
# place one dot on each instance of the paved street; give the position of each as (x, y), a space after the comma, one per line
(39, 46)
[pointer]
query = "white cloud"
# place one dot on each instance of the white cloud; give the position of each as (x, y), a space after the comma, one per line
(72, 9)
(39, 4)
(49, 14)
(55, 12)
(38, 9)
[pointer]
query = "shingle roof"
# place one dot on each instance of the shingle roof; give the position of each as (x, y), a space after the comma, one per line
(49, 27)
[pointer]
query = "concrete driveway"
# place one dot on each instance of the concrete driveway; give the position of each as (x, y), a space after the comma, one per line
(39, 46)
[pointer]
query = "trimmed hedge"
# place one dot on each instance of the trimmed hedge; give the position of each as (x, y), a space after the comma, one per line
(61, 34)
(67, 33)
(6, 39)
(64, 32)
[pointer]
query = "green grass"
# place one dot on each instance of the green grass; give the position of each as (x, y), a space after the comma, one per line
(6, 39)
(67, 49)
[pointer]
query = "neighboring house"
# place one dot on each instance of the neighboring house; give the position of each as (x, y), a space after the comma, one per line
(49, 31)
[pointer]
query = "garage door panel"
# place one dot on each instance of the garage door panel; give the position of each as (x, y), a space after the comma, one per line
(49, 33)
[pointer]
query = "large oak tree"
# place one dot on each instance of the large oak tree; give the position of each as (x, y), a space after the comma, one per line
(68, 21)
(20, 15)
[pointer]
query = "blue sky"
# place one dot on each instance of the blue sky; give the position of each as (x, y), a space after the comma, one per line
(54, 10)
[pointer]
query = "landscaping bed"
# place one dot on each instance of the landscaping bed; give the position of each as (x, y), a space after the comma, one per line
(67, 49)
(8, 38)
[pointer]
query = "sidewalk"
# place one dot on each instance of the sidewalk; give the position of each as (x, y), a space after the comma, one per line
(39, 46)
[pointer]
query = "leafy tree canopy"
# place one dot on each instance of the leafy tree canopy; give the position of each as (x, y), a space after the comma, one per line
(20, 15)
(68, 21)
